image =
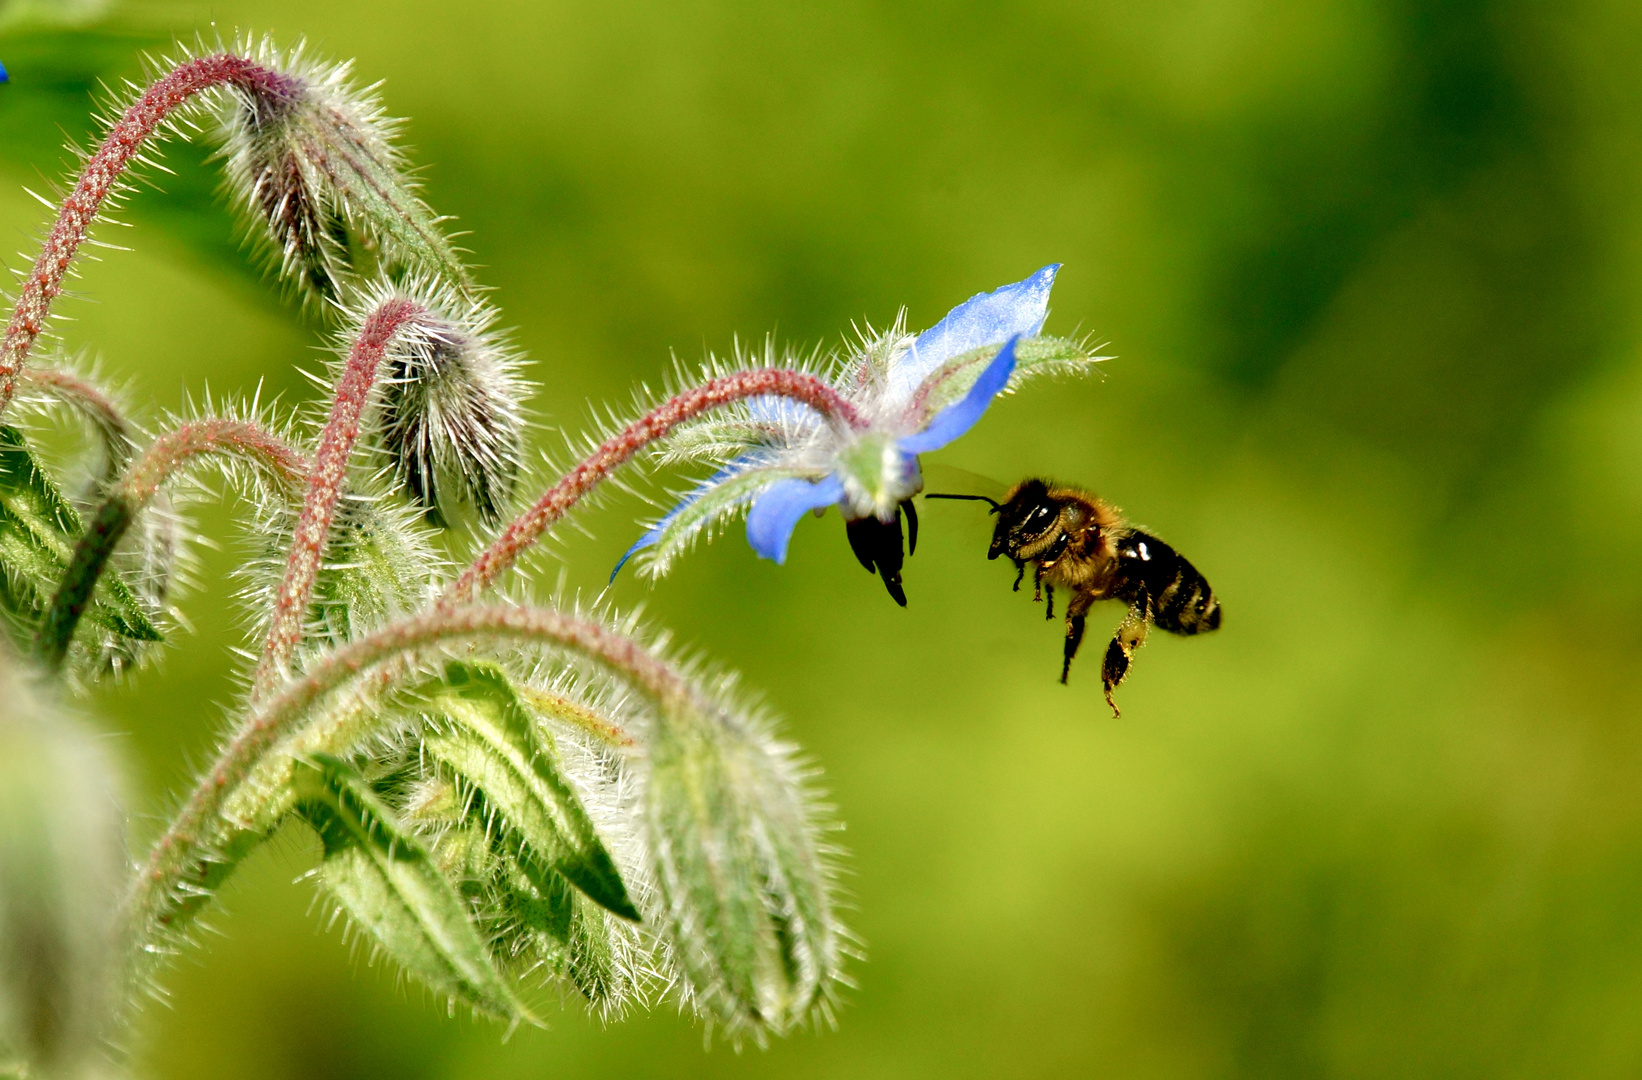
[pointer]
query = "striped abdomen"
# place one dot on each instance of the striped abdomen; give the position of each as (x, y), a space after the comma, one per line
(1178, 598)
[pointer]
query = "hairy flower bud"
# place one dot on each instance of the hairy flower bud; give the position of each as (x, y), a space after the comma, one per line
(62, 859)
(742, 869)
(312, 161)
(449, 405)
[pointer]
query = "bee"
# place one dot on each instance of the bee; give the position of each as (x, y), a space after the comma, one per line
(1078, 542)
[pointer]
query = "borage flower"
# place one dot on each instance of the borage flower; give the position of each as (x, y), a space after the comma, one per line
(914, 394)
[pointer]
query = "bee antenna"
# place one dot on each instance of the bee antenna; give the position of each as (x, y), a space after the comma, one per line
(996, 505)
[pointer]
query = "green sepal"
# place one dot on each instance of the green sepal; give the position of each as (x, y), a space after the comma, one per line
(701, 511)
(375, 567)
(385, 879)
(38, 531)
(579, 943)
(486, 736)
(1034, 357)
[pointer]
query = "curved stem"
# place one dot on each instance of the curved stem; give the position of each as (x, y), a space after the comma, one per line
(330, 469)
(128, 498)
(93, 403)
(177, 866)
(655, 424)
(101, 176)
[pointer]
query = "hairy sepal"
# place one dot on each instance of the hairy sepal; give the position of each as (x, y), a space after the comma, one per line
(1034, 358)
(678, 531)
(38, 530)
(484, 734)
(384, 878)
(741, 873)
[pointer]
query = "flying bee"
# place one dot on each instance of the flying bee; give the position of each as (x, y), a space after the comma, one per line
(1077, 542)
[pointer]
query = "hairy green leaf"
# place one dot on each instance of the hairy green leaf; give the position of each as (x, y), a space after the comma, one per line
(38, 530)
(390, 886)
(489, 738)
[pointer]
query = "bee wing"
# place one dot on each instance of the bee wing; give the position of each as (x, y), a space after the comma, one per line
(962, 500)
(951, 480)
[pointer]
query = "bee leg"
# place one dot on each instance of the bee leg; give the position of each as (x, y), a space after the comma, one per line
(1131, 635)
(1020, 567)
(1037, 584)
(1049, 612)
(1075, 612)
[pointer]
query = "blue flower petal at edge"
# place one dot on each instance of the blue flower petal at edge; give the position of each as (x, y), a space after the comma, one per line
(655, 534)
(776, 511)
(960, 416)
(983, 319)
(3, 76)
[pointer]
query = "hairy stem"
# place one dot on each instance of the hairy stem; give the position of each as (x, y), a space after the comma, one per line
(177, 867)
(92, 403)
(101, 177)
(134, 491)
(655, 424)
(325, 480)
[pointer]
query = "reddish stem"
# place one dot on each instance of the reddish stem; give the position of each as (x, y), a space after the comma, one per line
(127, 500)
(597, 466)
(214, 436)
(99, 179)
(86, 397)
(325, 482)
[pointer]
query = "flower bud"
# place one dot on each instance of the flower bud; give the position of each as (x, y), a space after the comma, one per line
(311, 160)
(449, 405)
(741, 867)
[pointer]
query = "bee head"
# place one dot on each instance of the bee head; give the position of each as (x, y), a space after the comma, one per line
(1028, 514)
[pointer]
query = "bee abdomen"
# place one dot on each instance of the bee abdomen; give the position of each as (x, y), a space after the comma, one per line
(1188, 605)
(1180, 599)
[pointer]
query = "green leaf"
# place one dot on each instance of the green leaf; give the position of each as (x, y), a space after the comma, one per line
(492, 741)
(390, 886)
(38, 530)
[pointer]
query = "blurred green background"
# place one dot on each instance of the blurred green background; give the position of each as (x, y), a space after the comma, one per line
(1372, 272)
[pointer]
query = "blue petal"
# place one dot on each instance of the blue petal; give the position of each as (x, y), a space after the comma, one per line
(983, 319)
(3, 76)
(960, 416)
(655, 534)
(770, 522)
